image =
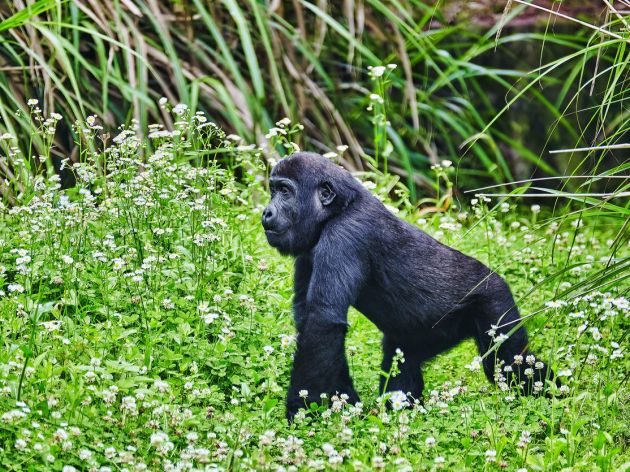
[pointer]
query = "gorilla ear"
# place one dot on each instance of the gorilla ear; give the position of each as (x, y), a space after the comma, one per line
(326, 194)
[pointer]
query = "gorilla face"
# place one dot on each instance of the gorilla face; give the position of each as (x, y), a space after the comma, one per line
(301, 204)
(281, 215)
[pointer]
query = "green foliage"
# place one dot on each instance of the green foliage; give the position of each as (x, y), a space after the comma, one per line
(146, 324)
(248, 64)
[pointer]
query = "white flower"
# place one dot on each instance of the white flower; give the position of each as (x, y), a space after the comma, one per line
(109, 396)
(286, 340)
(492, 331)
(330, 155)
(597, 335)
(67, 259)
(378, 462)
(90, 377)
(475, 365)
(501, 338)
(161, 386)
(53, 325)
(328, 449)
(12, 416)
(23, 260)
(335, 459)
(158, 438)
(160, 134)
(85, 454)
(376, 98)
(377, 71)
(180, 109)
(32, 102)
(20, 444)
(266, 439)
(430, 441)
(303, 393)
(524, 439)
(16, 288)
(208, 318)
(447, 163)
(128, 404)
(398, 400)
(60, 435)
(491, 455)
(535, 209)
(161, 442)
(555, 304)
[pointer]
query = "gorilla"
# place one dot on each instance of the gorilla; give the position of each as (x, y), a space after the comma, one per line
(423, 296)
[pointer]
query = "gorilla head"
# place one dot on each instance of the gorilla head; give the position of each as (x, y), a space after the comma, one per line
(307, 190)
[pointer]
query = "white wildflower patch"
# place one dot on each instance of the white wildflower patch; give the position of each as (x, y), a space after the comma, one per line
(146, 304)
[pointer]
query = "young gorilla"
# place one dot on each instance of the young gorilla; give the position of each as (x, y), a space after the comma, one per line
(351, 251)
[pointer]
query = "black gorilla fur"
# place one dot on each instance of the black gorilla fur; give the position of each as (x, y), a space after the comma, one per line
(351, 251)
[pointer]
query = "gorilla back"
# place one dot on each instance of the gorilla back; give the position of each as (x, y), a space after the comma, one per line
(424, 296)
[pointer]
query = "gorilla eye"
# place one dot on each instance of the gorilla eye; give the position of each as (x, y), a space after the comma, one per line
(280, 189)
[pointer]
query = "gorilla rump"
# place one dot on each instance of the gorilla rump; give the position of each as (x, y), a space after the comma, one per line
(424, 296)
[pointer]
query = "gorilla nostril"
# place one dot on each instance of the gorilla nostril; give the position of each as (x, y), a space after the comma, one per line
(267, 216)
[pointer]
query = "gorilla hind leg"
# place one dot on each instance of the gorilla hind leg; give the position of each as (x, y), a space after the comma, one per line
(508, 360)
(409, 377)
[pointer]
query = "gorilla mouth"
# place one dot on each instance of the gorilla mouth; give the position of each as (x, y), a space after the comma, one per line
(273, 232)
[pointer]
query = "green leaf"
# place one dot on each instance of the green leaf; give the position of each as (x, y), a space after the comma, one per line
(269, 404)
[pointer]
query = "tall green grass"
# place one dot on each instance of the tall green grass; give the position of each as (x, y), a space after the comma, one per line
(597, 184)
(248, 65)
